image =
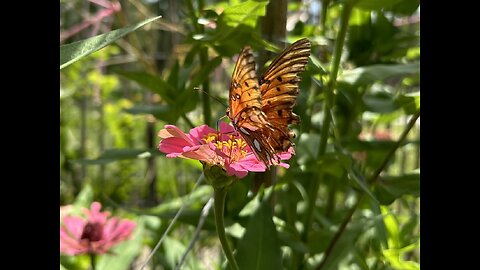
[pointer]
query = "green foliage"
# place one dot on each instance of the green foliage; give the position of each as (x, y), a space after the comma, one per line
(74, 51)
(259, 248)
(115, 100)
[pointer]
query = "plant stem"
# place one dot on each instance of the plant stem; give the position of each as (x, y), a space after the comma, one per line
(219, 203)
(207, 111)
(93, 258)
(187, 120)
(372, 180)
(323, 15)
(329, 99)
(392, 151)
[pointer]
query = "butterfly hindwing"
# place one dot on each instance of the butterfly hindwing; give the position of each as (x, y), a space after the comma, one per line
(279, 88)
(261, 110)
(279, 83)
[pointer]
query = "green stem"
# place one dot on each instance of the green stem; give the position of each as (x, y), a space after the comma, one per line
(329, 100)
(93, 258)
(323, 15)
(187, 120)
(219, 203)
(329, 95)
(372, 181)
(207, 111)
(397, 145)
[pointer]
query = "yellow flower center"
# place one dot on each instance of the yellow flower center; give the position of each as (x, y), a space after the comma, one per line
(233, 148)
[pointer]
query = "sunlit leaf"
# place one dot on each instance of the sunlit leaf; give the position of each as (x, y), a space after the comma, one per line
(73, 52)
(370, 74)
(85, 197)
(390, 188)
(151, 82)
(376, 4)
(112, 155)
(245, 13)
(162, 112)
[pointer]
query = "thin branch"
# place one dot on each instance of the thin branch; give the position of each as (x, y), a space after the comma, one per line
(174, 220)
(329, 100)
(196, 234)
(372, 180)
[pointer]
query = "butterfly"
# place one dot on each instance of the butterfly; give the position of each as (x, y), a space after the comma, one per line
(261, 109)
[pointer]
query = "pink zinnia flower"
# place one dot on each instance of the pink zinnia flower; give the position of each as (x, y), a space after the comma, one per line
(94, 235)
(224, 148)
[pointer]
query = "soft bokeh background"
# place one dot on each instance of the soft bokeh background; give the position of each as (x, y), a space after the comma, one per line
(329, 211)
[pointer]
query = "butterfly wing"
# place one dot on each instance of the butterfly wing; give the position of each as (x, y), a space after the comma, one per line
(261, 114)
(245, 110)
(279, 91)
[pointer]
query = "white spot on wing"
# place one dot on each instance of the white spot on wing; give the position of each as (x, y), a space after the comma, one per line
(244, 131)
(257, 145)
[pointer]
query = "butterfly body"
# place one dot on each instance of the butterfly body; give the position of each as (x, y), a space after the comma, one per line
(261, 109)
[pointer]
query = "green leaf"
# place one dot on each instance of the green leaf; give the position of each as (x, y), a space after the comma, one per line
(112, 155)
(405, 8)
(162, 112)
(288, 239)
(122, 256)
(85, 197)
(173, 251)
(73, 52)
(200, 195)
(244, 13)
(308, 147)
(259, 248)
(389, 188)
(79, 262)
(359, 179)
(409, 102)
(151, 82)
(370, 74)
(380, 230)
(203, 73)
(380, 102)
(316, 66)
(376, 4)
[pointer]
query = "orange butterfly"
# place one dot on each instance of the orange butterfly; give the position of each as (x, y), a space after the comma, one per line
(261, 110)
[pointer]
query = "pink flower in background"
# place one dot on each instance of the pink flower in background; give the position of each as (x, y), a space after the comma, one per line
(94, 235)
(224, 148)
(379, 135)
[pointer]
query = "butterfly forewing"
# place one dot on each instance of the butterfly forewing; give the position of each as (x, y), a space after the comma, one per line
(244, 91)
(261, 110)
(279, 88)
(245, 110)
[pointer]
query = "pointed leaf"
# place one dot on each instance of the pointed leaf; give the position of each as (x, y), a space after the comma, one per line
(162, 112)
(150, 82)
(389, 188)
(370, 74)
(259, 247)
(206, 70)
(245, 13)
(111, 155)
(73, 52)
(376, 4)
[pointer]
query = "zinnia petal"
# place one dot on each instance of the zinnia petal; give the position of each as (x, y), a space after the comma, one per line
(76, 236)
(197, 134)
(172, 131)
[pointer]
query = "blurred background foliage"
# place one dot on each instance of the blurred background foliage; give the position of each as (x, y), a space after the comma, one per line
(350, 199)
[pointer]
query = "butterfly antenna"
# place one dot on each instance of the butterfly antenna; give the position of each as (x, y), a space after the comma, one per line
(217, 99)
